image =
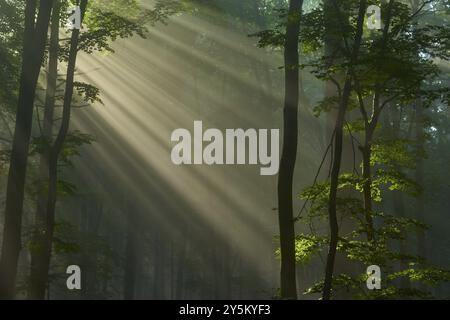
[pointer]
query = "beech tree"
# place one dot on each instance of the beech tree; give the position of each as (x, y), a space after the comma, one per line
(393, 67)
(34, 40)
(289, 152)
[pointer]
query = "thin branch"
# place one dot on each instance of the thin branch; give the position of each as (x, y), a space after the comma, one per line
(338, 86)
(362, 108)
(2, 116)
(353, 139)
(317, 174)
(5, 140)
(38, 120)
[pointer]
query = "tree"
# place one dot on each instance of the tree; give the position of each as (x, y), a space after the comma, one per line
(289, 152)
(103, 26)
(34, 40)
(392, 67)
(38, 283)
(337, 155)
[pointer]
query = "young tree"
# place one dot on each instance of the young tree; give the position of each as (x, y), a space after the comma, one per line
(337, 155)
(289, 152)
(393, 65)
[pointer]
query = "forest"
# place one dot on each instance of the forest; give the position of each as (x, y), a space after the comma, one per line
(224, 149)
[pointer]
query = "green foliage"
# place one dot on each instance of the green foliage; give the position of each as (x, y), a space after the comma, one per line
(74, 140)
(306, 246)
(392, 70)
(62, 242)
(392, 153)
(388, 289)
(106, 21)
(11, 30)
(354, 248)
(430, 276)
(90, 93)
(393, 180)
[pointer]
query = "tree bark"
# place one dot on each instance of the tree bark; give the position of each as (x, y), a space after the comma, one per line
(367, 184)
(370, 126)
(289, 152)
(38, 283)
(337, 156)
(34, 42)
(55, 150)
(419, 174)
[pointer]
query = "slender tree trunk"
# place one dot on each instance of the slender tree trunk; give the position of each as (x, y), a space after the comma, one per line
(419, 174)
(56, 149)
(289, 153)
(332, 43)
(370, 126)
(398, 200)
(337, 156)
(33, 52)
(38, 283)
(399, 208)
(367, 184)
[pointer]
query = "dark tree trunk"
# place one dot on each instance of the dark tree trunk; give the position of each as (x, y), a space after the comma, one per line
(38, 283)
(398, 201)
(33, 52)
(55, 151)
(370, 126)
(419, 174)
(289, 153)
(367, 185)
(337, 156)
(332, 43)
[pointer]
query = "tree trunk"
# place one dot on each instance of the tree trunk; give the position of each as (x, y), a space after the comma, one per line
(367, 185)
(370, 126)
(398, 200)
(55, 151)
(336, 165)
(38, 283)
(332, 43)
(33, 52)
(289, 153)
(419, 174)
